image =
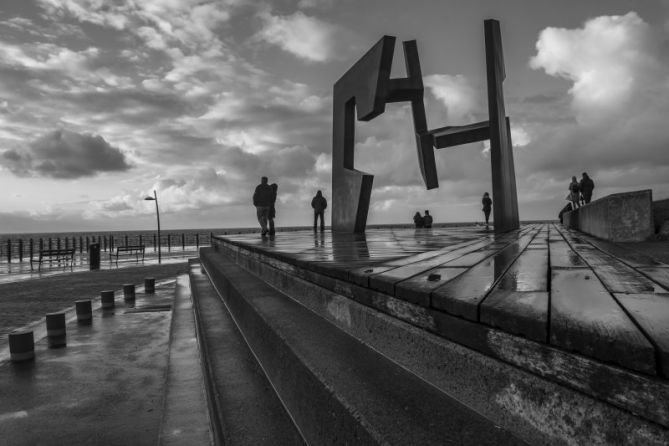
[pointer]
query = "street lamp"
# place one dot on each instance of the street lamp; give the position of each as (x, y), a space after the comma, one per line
(155, 198)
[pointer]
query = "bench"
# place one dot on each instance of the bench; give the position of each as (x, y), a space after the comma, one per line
(128, 250)
(54, 255)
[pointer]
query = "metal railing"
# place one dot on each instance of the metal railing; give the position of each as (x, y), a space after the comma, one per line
(22, 249)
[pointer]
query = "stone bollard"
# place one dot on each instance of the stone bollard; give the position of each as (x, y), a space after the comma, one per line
(21, 346)
(129, 291)
(84, 312)
(107, 299)
(149, 285)
(55, 329)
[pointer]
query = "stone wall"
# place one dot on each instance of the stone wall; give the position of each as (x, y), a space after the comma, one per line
(660, 213)
(623, 217)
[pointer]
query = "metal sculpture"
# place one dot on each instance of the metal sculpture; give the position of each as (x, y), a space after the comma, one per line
(367, 87)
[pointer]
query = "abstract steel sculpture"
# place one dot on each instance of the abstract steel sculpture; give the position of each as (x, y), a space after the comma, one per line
(367, 88)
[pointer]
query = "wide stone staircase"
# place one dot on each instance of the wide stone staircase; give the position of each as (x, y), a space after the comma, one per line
(289, 359)
(278, 373)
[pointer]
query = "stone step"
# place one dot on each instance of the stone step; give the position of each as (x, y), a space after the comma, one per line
(244, 409)
(504, 377)
(336, 388)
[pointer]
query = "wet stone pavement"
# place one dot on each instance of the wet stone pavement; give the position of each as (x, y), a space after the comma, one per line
(105, 386)
(17, 271)
(550, 285)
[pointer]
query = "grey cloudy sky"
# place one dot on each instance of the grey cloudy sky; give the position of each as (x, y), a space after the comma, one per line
(103, 101)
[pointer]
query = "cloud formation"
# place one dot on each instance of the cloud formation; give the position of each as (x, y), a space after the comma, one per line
(619, 96)
(612, 61)
(304, 36)
(205, 96)
(64, 154)
(458, 94)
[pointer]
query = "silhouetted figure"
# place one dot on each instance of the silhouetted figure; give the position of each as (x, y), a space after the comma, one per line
(586, 185)
(262, 200)
(567, 208)
(418, 220)
(319, 204)
(574, 193)
(272, 209)
(427, 219)
(487, 207)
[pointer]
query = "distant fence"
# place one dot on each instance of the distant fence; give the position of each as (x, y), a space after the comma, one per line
(20, 249)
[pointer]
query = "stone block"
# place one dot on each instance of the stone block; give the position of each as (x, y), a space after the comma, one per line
(660, 213)
(623, 217)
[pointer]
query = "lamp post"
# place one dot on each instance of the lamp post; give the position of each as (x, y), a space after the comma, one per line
(155, 198)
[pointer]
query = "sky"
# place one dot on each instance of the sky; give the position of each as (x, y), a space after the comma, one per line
(104, 101)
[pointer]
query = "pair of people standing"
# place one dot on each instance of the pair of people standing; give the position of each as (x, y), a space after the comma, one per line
(580, 192)
(264, 199)
(421, 221)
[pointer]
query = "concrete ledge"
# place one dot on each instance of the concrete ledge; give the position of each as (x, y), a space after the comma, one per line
(527, 387)
(185, 415)
(337, 389)
(623, 217)
(660, 213)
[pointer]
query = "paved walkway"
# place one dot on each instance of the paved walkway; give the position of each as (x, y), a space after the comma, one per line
(19, 271)
(550, 285)
(115, 381)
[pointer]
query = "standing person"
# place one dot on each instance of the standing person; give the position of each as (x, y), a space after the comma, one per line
(262, 200)
(272, 209)
(574, 195)
(427, 220)
(418, 220)
(586, 185)
(487, 207)
(319, 204)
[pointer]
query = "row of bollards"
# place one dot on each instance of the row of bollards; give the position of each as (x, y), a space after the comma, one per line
(22, 343)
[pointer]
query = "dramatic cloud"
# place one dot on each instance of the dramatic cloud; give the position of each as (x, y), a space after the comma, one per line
(619, 97)
(612, 62)
(47, 56)
(182, 192)
(315, 3)
(188, 22)
(461, 98)
(202, 97)
(306, 37)
(67, 155)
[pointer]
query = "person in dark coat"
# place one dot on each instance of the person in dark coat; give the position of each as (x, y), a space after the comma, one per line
(272, 209)
(427, 219)
(418, 220)
(586, 186)
(262, 200)
(319, 204)
(574, 193)
(487, 207)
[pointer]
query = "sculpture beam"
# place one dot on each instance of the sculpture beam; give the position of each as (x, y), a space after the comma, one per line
(505, 198)
(366, 88)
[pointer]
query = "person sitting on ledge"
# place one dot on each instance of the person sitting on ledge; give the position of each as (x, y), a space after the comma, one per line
(262, 200)
(427, 220)
(567, 208)
(418, 220)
